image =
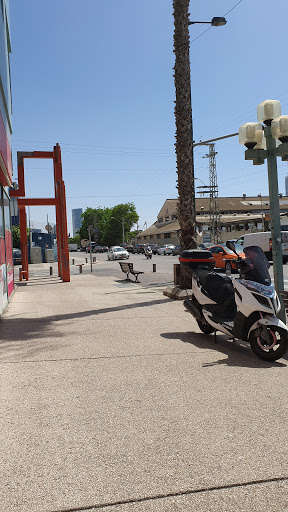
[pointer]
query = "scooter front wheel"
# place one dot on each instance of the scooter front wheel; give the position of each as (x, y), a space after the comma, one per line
(269, 349)
(205, 327)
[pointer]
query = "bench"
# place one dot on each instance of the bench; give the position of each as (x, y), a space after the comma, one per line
(127, 268)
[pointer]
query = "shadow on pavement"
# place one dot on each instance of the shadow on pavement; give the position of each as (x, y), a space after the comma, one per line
(238, 354)
(22, 329)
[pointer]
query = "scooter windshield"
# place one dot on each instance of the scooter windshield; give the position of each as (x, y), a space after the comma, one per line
(256, 266)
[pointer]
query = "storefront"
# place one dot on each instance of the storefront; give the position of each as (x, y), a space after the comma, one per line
(6, 255)
(6, 258)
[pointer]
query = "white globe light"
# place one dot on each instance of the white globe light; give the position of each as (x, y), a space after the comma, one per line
(251, 134)
(268, 110)
(279, 128)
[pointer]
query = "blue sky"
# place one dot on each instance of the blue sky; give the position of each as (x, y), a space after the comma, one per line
(97, 78)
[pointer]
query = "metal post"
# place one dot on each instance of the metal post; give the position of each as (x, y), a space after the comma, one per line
(154, 267)
(51, 271)
(123, 233)
(275, 218)
(90, 228)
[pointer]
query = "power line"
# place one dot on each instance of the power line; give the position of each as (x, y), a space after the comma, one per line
(95, 169)
(94, 146)
(232, 8)
(123, 195)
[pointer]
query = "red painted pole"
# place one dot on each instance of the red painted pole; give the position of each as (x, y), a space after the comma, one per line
(23, 241)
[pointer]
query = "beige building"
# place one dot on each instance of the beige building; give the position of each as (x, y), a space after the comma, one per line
(238, 215)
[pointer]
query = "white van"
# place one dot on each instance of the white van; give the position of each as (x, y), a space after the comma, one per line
(264, 241)
(73, 247)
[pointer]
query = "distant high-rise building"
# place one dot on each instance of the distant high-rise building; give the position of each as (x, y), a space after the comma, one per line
(76, 219)
(286, 186)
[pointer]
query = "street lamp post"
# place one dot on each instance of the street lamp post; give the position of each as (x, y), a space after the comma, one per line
(255, 134)
(90, 230)
(122, 223)
(217, 21)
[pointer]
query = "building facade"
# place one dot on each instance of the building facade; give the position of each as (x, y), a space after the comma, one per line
(76, 220)
(6, 258)
(238, 215)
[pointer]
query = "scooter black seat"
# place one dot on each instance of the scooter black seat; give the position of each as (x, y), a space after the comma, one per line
(218, 288)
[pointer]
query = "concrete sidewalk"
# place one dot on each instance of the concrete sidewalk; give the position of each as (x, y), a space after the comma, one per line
(112, 399)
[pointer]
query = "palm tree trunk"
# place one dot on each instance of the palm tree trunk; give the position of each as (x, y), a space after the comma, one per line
(184, 130)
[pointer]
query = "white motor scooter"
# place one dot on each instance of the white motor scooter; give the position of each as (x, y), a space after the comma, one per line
(148, 253)
(244, 308)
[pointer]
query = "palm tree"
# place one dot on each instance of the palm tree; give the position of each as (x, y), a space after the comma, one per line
(184, 131)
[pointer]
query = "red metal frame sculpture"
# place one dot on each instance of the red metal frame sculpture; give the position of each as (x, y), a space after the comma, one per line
(59, 201)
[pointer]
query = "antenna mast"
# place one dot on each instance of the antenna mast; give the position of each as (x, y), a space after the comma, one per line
(214, 202)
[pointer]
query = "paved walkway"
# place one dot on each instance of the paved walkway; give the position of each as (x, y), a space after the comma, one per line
(112, 400)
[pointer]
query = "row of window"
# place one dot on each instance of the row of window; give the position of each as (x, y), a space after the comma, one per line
(158, 235)
(174, 216)
(167, 218)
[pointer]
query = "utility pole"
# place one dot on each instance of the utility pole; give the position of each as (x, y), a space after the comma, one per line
(123, 232)
(212, 189)
(214, 202)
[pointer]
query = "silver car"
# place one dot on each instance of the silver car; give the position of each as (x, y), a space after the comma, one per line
(117, 253)
(166, 249)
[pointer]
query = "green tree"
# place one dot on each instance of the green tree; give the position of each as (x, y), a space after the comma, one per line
(75, 240)
(16, 237)
(108, 229)
(98, 218)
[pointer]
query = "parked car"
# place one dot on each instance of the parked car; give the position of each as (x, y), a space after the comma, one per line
(224, 256)
(177, 250)
(139, 249)
(166, 249)
(204, 246)
(105, 248)
(117, 253)
(130, 248)
(17, 257)
(98, 248)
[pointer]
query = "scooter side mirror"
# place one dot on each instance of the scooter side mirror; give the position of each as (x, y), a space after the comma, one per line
(231, 246)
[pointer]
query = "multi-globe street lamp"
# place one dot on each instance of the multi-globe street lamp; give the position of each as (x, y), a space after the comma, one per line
(268, 142)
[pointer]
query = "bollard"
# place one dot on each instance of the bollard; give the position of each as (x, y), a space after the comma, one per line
(94, 259)
(154, 267)
(80, 269)
(20, 277)
(73, 261)
(177, 273)
(86, 259)
(51, 271)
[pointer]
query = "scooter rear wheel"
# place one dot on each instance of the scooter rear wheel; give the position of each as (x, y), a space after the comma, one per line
(270, 350)
(205, 327)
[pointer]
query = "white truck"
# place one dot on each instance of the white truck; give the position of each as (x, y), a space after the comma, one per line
(264, 241)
